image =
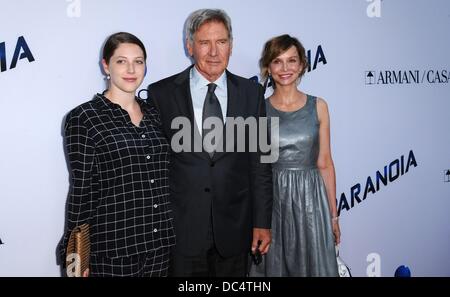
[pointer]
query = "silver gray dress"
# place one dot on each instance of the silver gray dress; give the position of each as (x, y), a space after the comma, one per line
(302, 238)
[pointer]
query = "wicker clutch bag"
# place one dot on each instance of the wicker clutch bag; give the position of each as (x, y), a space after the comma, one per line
(78, 249)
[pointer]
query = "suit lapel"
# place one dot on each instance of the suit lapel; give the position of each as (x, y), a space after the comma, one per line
(183, 95)
(183, 99)
(233, 109)
(233, 96)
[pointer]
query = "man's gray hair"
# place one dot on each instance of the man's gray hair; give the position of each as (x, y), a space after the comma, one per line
(202, 16)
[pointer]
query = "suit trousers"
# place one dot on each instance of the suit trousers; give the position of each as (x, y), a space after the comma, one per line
(208, 263)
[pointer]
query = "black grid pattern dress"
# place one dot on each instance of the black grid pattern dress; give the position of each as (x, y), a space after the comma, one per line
(120, 186)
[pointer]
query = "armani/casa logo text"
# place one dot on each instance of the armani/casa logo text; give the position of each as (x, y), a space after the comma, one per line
(406, 77)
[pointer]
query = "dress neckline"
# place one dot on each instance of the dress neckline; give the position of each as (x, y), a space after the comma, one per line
(292, 111)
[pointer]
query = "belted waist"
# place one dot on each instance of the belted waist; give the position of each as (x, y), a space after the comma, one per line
(293, 165)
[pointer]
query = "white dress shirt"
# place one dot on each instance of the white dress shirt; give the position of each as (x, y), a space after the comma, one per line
(199, 86)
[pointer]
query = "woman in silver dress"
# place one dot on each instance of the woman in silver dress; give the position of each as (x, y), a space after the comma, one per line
(305, 226)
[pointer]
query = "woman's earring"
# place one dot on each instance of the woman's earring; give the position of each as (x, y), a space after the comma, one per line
(108, 77)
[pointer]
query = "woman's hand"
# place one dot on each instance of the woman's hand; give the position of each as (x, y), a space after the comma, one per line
(336, 231)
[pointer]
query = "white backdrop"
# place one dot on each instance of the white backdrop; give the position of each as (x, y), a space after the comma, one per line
(402, 111)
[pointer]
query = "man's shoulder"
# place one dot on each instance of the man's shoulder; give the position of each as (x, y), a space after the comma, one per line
(164, 81)
(244, 82)
(169, 81)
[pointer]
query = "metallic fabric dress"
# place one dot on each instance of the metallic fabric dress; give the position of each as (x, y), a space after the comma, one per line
(302, 238)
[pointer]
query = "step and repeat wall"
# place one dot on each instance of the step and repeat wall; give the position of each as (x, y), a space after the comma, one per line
(382, 66)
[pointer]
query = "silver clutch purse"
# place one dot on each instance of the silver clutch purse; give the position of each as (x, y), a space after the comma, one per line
(343, 269)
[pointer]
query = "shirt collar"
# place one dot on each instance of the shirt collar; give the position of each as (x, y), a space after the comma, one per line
(108, 104)
(199, 81)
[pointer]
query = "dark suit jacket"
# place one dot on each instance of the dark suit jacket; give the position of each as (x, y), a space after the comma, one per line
(233, 187)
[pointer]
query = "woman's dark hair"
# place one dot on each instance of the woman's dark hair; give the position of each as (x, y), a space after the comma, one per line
(275, 47)
(113, 42)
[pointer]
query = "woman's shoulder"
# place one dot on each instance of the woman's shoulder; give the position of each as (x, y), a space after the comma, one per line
(320, 102)
(313, 97)
(321, 108)
(150, 111)
(147, 107)
(85, 109)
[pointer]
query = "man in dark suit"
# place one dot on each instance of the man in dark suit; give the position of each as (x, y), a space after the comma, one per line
(222, 200)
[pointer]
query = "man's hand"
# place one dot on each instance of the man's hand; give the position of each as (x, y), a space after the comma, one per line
(264, 236)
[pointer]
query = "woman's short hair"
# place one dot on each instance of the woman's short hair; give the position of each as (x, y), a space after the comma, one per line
(275, 47)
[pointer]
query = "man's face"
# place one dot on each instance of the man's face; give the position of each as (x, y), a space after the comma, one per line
(211, 49)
